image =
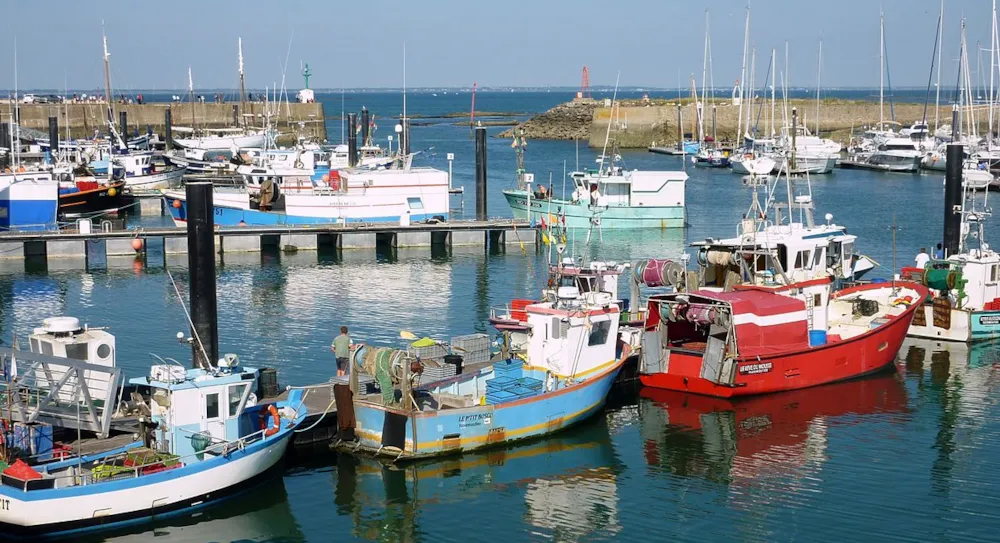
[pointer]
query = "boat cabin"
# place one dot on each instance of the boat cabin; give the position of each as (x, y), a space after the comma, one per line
(619, 188)
(65, 337)
(194, 409)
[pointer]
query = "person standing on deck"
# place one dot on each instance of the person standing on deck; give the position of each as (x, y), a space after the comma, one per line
(341, 348)
(939, 252)
(922, 258)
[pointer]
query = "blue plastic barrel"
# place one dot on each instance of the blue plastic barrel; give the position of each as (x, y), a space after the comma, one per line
(817, 337)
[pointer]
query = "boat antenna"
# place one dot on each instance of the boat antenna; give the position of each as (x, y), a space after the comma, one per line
(187, 315)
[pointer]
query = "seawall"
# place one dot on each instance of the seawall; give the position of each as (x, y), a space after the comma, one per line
(84, 118)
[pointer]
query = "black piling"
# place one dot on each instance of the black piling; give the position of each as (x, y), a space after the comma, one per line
(365, 119)
(953, 198)
(201, 271)
(5, 143)
(53, 134)
(481, 174)
(168, 128)
(236, 114)
(123, 123)
(954, 121)
(680, 129)
(352, 139)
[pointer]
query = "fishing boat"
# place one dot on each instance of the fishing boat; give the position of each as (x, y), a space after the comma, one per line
(88, 196)
(220, 139)
(608, 196)
(355, 195)
(562, 376)
(28, 201)
(136, 168)
(964, 302)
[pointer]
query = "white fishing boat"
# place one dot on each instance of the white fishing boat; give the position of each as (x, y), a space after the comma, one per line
(28, 201)
(217, 139)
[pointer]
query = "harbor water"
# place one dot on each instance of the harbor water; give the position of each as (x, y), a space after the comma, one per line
(904, 455)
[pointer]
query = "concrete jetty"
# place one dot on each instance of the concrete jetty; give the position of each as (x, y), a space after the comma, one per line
(82, 119)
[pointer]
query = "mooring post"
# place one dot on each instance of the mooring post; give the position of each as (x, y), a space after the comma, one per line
(168, 128)
(953, 198)
(123, 123)
(352, 139)
(53, 136)
(481, 174)
(236, 114)
(365, 120)
(201, 273)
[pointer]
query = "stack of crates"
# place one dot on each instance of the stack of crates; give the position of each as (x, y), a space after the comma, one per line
(435, 370)
(473, 348)
(509, 368)
(496, 390)
(431, 352)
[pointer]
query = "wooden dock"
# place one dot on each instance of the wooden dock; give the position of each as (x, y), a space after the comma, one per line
(94, 248)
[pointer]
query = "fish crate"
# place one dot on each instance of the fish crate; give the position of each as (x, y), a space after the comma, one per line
(508, 368)
(522, 392)
(366, 383)
(430, 352)
(471, 343)
(530, 383)
(500, 396)
(435, 371)
(500, 383)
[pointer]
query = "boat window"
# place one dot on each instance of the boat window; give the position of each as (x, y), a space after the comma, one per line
(77, 351)
(783, 256)
(212, 405)
(236, 398)
(46, 348)
(599, 333)
(848, 248)
(414, 203)
(586, 284)
(817, 258)
(556, 328)
(993, 273)
(801, 260)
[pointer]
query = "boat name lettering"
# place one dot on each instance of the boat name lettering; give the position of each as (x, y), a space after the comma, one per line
(478, 419)
(753, 369)
(989, 320)
(4, 505)
(523, 202)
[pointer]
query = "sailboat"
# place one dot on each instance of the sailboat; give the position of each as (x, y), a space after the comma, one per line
(222, 138)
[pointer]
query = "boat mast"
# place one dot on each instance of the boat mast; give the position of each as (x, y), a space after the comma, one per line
(107, 79)
(774, 75)
(243, 89)
(704, 81)
(191, 95)
(989, 101)
(881, 67)
(750, 89)
(743, 69)
(937, 99)
(819, 82)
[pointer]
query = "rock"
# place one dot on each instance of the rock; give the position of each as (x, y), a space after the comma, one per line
(567, 121)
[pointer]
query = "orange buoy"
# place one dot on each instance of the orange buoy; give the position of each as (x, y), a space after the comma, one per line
(137, 244)
(176, 204)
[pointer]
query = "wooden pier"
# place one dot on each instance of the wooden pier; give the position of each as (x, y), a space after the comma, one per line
(95, 247)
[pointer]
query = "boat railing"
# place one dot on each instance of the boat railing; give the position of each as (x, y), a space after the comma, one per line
(106, 470)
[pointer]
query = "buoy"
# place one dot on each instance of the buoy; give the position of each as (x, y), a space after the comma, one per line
(137, 244)
(242, 223)
(176, 204)
(112, 192)
(326, 178)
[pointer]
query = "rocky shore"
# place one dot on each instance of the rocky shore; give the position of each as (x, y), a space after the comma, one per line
(567, 121)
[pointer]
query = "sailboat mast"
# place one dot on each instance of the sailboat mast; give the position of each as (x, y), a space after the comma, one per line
(819, 82)
(704, 81)
(107, 80)
(774, 75)
(881, 67)
(191, 95)
(743, 69)
(937, 98)
(750, 91)
(989, 101)
(243, 88)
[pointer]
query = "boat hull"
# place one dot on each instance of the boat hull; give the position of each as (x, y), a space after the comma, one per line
(106, 199)
(450, 431)
(61, 511)
(222, 143)
(964, 325)
(861, 355)
(578, 215)
(161, 180)
(28, 205)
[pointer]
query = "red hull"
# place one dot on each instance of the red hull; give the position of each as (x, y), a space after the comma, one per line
(767, 373)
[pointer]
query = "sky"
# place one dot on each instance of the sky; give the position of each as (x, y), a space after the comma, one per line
(453, 43)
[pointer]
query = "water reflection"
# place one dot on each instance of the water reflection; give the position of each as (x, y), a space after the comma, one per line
(744, 441)
(568, 486)
(261, 514)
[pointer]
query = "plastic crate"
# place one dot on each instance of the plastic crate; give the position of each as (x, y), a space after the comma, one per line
(522, 392)
(429, 352)
(478, 357)
(500, 396)
(471, 343)
(531, 383)
(500, 383)
(438, 370)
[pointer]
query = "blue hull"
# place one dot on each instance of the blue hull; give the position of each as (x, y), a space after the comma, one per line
(231, 216)
(985, 325)
(33, 215)
(439, 432)
(578, 215)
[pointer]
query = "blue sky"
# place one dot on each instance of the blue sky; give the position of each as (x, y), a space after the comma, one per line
(454, 43)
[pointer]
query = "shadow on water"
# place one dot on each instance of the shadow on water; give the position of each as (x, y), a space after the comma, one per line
(567, 486)
(262, 513)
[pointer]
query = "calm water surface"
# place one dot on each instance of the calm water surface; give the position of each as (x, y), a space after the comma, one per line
(907, 455)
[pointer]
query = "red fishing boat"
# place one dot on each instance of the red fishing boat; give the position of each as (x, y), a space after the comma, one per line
(757, 340)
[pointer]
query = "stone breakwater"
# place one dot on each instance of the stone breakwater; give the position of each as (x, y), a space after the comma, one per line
(636, 124)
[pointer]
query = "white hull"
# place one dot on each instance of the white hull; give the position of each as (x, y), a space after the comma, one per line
(896, 161)
(167, 490)
(217, 143)
(156, 181)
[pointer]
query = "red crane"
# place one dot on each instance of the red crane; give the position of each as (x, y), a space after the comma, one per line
(585, 83)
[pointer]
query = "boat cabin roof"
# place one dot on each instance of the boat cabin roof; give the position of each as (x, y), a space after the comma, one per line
(193, 378)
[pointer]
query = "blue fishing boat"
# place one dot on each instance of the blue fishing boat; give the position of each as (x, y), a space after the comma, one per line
(28, 201)
(561, 376)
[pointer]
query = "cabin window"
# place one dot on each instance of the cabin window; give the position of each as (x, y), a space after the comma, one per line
(212, 405)
(817, 259)
(599, 333)
(414, 203)
(802, 260)
(817, 300)
(77, 351)
(236, 398)
(993, 273)
(46, 348)
(556, 328)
